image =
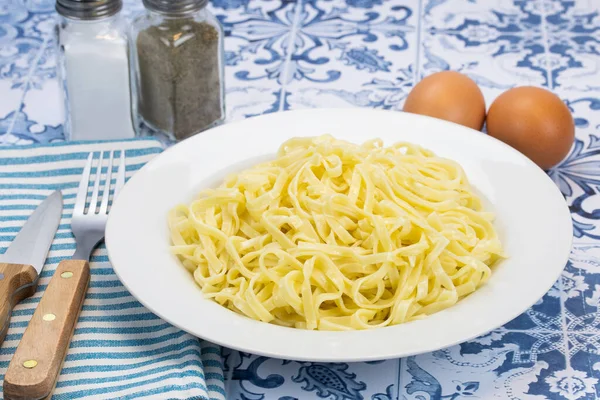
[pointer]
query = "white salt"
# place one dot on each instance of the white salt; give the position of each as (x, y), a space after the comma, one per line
(95, 71)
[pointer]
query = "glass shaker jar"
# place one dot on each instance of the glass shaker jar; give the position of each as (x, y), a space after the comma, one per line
(93, 69)
(177, 64)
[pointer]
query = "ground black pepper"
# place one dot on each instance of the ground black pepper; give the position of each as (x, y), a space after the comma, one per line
(179, 79)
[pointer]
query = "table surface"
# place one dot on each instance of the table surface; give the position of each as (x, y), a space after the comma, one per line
(283, 55)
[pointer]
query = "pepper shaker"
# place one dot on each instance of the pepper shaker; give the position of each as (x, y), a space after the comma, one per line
(177, 68)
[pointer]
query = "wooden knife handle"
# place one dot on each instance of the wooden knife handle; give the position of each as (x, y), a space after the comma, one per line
(16, 283)
(34, 368)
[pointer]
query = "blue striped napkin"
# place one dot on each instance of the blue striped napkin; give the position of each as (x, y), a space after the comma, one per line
(119, 348)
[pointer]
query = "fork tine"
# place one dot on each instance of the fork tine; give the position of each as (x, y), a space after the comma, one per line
(120, 175)
(94, 200)
(83, 187)
(106, 191)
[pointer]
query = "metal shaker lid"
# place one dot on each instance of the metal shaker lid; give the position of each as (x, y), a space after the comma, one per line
(175, 7)
(88, 9)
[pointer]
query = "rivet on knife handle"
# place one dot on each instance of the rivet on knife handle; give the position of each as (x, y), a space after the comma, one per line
(16, 283)
(34, 368)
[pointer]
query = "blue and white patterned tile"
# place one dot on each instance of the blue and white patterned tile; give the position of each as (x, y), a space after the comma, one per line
(17, 52)
(503, 365)
(581, 293)
(43, 102)
(22, 36)
(353, 53)
(574, 43)
(31, 68)
(571, 384)
(585, 366)
(545, 314)
(258, 34)
(585, 257)
(41, 114)
(498, 43)
(256, 378)
(9, 103)
(578, 175)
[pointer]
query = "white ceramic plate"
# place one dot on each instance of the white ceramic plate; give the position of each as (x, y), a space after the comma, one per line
(533, 221)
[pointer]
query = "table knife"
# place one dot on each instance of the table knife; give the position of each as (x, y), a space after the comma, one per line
(22, 263)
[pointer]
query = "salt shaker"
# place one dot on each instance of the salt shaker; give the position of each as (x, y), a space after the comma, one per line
(93, 69)
(177, 63)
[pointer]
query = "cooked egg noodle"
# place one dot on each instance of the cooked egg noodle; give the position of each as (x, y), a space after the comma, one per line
(336, 236)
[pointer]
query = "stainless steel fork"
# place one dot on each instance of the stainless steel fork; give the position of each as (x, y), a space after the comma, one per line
(88, 226)
(35, 367)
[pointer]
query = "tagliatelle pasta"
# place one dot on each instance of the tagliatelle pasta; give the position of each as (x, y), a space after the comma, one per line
(337, 236)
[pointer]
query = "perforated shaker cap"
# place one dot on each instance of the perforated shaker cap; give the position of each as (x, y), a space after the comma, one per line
(175, 7)
(88, 9)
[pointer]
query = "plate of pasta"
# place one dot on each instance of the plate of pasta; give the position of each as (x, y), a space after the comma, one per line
(339, 235)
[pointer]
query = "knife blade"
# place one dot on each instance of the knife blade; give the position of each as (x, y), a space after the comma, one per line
(23, 261)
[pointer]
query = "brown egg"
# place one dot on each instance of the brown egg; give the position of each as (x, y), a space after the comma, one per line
(448, 95)
(534, 121)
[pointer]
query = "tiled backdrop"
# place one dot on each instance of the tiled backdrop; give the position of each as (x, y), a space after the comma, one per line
(283, 54)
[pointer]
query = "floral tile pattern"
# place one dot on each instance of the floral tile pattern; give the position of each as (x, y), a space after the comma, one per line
(500, 365)
(498, 43)
(255, 54)
(573, 32)
(585, 374)
(289, 54)
(353, 53)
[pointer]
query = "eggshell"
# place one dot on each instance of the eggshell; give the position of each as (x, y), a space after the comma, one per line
(448, 95)
(534, 121)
